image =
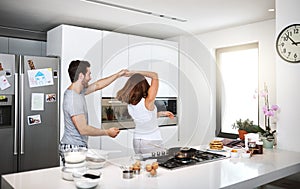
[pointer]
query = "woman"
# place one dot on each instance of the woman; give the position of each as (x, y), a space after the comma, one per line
(140, 97)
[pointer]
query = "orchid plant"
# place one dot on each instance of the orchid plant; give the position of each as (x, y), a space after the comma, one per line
(269, 112)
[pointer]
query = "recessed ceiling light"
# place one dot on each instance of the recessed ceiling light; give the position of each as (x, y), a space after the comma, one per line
(98, 2)
(271, 10)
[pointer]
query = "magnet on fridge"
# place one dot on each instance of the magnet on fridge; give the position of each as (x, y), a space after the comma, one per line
(8, 73)
(4, 84)
(31, 65)
(34, 119)
(55, 74)
(51, 97)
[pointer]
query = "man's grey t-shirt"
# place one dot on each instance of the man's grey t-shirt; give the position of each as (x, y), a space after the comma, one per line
(73, 104)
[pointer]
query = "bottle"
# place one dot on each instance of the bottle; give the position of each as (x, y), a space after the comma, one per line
(259, 146)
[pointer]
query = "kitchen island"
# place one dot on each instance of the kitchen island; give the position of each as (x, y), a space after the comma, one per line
(227, 173)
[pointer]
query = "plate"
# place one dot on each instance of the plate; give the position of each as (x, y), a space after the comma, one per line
(213, 150)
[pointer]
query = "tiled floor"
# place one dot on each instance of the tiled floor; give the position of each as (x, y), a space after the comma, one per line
(282, 184)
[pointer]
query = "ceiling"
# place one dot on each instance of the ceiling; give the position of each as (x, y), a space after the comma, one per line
(39, 16)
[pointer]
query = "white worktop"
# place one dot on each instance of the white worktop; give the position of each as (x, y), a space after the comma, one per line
(227, 173)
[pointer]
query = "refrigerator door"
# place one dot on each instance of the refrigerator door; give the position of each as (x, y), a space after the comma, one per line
(7, 71)
(8, 128)
(39, 112)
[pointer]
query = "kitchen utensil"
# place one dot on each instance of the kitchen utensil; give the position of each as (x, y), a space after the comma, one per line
(185, 152)
(67, 172)
(86, 179)
(96, 159)
(75, 155)
(128, 174)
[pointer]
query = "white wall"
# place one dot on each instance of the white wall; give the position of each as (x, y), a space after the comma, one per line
(197, 91)
(288, 77)
(261, 32)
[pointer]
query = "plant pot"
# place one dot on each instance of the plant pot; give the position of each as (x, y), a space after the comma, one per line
(268, 143)
(110, 116)
(242, 134)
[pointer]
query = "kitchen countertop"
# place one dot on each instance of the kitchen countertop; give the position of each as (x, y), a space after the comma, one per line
(227, 173)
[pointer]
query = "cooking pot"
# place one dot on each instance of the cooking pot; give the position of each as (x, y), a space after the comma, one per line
(185, 154)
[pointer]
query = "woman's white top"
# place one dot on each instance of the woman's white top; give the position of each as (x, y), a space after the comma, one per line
(146, 125)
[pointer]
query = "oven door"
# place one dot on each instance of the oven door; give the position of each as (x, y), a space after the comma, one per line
(167, 104)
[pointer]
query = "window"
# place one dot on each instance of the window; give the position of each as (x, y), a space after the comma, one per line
(237, 80)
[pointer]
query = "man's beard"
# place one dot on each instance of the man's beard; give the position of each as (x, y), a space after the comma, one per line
(85, 84)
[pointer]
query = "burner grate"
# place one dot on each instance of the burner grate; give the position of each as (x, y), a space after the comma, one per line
(199, 158)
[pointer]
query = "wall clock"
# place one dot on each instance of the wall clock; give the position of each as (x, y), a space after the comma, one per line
(288, 43)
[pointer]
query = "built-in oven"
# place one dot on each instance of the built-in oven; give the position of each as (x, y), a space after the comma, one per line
(167, 104)
(115, 113)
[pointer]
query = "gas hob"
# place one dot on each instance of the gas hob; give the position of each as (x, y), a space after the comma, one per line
(169, 161)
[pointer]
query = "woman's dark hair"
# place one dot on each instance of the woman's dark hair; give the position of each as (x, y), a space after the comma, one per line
(76, 67)
(134, 90)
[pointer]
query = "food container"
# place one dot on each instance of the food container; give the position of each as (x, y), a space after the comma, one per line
(86, 179)
(95, 163)
(246, 155)
(234, 153)
(75, 155)
(137, 171)
(96, 159)
(67, 172)
(127, 174)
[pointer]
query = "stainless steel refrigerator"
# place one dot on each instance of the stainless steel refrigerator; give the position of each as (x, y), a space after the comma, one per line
(29, 113)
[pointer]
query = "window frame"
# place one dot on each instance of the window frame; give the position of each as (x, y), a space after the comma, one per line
(218, 131)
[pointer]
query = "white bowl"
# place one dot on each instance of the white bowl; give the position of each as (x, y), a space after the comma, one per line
(234, 154)
(96, 159)
(246, 155)
(75, 156)
(87, 179)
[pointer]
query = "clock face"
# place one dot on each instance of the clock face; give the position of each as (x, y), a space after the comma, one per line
(288, 43)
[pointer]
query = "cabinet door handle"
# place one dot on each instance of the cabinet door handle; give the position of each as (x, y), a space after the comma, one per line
(16, 123)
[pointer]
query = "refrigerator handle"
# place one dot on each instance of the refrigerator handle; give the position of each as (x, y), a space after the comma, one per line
(16, 115)
(22, 112)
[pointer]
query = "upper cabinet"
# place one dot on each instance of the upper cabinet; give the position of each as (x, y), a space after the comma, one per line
(22, 46)
(122, 51)
(115, 58)
(156, 55)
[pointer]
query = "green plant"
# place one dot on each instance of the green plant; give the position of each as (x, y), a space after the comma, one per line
(248, 126)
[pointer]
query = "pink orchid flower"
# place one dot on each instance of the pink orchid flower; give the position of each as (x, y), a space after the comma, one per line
(274, 107)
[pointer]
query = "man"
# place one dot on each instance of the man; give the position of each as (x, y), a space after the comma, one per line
(77, 129)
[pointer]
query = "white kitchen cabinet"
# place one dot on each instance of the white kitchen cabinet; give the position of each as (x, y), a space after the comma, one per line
(76, 43)
(159, 56)
(119, 145)
(139, 53)
(130, 149)
(164, 61)
(115, 58)
(169, 135)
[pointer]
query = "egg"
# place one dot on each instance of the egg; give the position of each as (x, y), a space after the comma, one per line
(148, 167)
(153, 172)
(154, 165)
(137, 163)
(135, 167)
